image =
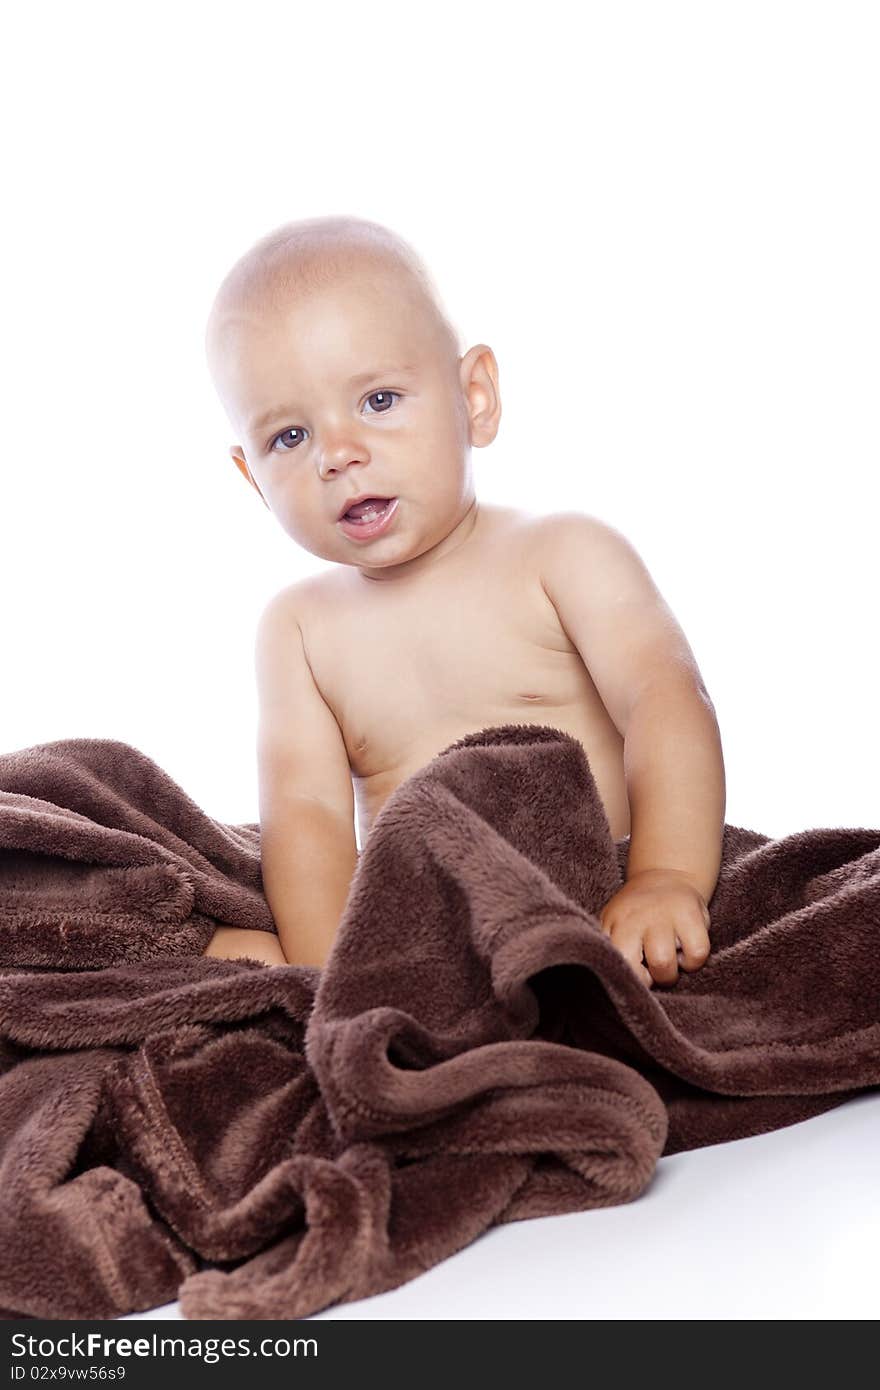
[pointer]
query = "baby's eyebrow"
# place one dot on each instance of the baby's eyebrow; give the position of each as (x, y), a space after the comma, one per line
(360, 379)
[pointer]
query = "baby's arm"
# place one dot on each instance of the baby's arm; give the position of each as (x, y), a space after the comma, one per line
(308, 848)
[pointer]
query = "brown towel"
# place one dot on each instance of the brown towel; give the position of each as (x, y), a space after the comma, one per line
(266, 1141)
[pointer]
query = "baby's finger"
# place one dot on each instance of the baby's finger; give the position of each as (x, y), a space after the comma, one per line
(660, 953)
(628, 941)
(695, 944)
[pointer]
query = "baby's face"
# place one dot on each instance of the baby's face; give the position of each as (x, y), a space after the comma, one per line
(350, 391)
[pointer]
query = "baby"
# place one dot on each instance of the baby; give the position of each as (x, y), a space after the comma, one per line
(355, 413)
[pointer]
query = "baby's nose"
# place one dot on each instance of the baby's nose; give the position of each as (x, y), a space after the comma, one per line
(338, 454)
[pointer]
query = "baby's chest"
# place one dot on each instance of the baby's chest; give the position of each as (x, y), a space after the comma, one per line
(400, 680)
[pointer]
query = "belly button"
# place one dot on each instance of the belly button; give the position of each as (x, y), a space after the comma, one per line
(530, 697)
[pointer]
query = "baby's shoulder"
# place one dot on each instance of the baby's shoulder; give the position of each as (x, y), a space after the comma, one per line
(544, 532)
(295, 599)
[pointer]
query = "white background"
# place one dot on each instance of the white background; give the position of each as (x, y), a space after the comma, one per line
(664, 218)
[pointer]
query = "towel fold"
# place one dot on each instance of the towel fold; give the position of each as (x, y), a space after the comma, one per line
(262, 1142)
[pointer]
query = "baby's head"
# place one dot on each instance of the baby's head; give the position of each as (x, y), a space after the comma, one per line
(341, 375)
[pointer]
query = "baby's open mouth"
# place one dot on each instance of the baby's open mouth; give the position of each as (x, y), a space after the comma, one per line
(370, 509)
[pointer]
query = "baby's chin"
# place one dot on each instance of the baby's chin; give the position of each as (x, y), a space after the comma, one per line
(384, 548)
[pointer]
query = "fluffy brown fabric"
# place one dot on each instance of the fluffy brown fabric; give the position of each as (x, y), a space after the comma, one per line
(263, 1142)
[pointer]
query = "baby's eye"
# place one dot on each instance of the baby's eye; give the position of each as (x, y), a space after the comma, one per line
(384, 397)
(294, 430)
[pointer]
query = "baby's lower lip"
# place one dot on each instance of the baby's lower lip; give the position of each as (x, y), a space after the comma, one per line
(366, 530)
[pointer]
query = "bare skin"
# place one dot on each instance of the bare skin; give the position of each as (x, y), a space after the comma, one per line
(467, 665)
(408, 667)
(235, 943)
(457, 666)
(348, 383)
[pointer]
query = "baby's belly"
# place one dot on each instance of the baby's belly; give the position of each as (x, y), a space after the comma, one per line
(602, 745)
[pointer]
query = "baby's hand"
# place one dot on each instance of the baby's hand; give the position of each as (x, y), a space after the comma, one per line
(654, 912)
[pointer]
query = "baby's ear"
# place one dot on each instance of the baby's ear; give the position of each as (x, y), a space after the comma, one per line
(479, 380)
(236, 453)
